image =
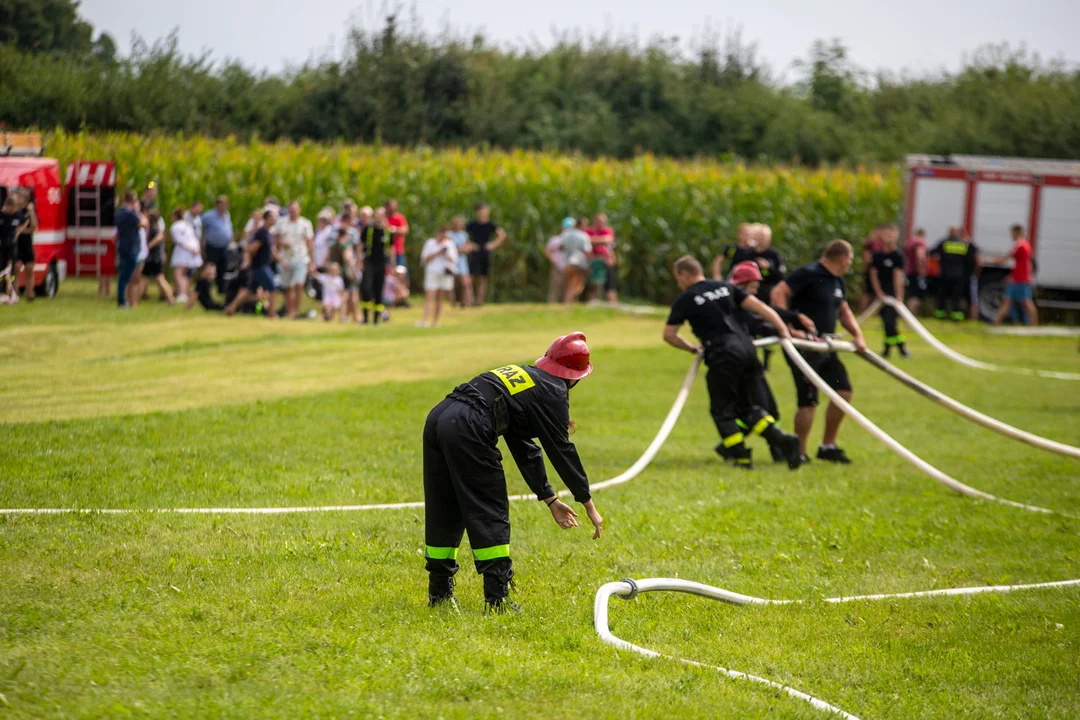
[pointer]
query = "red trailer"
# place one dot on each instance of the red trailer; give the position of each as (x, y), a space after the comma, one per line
(75, 220)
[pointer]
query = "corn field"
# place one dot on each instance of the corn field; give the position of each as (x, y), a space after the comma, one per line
(660, 209)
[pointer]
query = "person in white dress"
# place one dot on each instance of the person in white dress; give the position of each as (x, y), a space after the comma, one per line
(186, 254)
(440, 259)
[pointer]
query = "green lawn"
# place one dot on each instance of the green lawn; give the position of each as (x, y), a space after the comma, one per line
(324, 615)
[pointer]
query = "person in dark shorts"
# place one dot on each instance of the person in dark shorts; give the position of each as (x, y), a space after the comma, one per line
(12, 221)
(204, 286)
(154, 266)
(711, 307)
(24, 242)
(817, 290)
(374, 240)
(887, 280)
(464, 483)
(258, 259)
(484, 236)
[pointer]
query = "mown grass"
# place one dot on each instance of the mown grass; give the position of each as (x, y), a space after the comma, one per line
(323, 615)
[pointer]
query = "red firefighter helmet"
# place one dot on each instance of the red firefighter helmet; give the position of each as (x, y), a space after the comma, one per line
(745, 272)
(567, 358)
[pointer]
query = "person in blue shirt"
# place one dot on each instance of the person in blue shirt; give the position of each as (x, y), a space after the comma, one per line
(128, 243)
(217, 234)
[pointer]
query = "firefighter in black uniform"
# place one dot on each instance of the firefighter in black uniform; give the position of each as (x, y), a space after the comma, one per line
(373, 241)
(747, 276)
(711, 307)
(464, 485)
(887, 279)
(731, 255)
(818, 291)
(957, 259)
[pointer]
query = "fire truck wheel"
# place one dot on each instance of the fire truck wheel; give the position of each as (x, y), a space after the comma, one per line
(51, 284)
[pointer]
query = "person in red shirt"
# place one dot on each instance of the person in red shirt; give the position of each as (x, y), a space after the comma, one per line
(602, 237)
(1019, 288)
(399, 228)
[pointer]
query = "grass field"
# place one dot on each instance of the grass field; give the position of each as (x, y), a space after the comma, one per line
(324, 615)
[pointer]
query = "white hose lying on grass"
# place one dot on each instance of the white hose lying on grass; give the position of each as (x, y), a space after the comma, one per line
(964, 411)
(914, 324)
(885, 438)
(629, 474)
(629, 589)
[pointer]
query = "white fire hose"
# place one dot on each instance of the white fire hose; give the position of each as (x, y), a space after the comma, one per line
(914, 324)
(629, 589)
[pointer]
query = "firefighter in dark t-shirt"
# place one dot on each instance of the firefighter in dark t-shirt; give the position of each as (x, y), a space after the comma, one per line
(711, 306)
(731, 255)
(887, 280)
(817, 291)
(464, 484)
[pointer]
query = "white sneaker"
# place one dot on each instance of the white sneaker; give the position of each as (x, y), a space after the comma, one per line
(181, 299)
(420, 323)
(14, 298)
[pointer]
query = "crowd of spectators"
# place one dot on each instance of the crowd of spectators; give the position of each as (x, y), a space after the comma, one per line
(583, 261)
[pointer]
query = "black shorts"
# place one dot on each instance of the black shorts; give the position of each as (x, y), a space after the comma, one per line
(24, 250)
(480, 263)
(7, 253)
(916, 286)
(828, 366)
(152, 268)
(611, 282)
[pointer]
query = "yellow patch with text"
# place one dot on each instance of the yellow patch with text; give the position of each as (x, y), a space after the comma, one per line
(514, 378)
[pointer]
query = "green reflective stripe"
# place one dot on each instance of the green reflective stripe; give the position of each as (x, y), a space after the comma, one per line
(732, 440)
(894, 340)
(956, 248)
(763, 423)
(440, 553)
(491, 553)
(742, 461)
(742, 425)
(958, 316)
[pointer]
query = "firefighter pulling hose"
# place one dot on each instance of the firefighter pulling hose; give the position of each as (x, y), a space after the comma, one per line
(464, 484)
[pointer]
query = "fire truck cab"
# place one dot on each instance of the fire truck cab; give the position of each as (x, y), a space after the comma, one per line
(75, 227)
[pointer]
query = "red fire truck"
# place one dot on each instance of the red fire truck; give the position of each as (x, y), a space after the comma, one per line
(988, 195)
(75, 231)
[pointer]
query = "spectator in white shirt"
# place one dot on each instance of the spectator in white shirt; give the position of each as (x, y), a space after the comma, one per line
(295, 240)
(440, 259)
(193, 217)
(187, 252)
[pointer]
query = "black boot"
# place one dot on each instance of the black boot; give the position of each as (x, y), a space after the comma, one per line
(724, 453)
(742, 456)
(904, 351)
(496, 592)
(886, 351)
(441, 591)
(788, 445)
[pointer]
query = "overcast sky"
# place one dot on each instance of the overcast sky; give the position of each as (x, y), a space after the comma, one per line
(915, 35)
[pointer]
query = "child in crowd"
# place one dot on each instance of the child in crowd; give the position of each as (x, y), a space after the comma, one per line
(203, 287)
(333, 288)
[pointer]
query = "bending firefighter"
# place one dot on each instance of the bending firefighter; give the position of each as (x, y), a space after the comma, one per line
(747, 276)
(711, 307)
(464, 484)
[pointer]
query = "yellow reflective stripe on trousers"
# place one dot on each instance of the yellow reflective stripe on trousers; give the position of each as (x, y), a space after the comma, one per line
(440, 553)
(491, 553)
(763, 423)
(732, 440)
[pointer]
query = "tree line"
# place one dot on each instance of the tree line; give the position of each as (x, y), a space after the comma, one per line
(605, 97)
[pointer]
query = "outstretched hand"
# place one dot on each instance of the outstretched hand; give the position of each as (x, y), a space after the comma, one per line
(595, 519)
(564, 514)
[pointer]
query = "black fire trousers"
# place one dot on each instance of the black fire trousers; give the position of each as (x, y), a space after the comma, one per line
(734, 373)
(465, 490)
(889, 318)
(950, 295)
(371, 288)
